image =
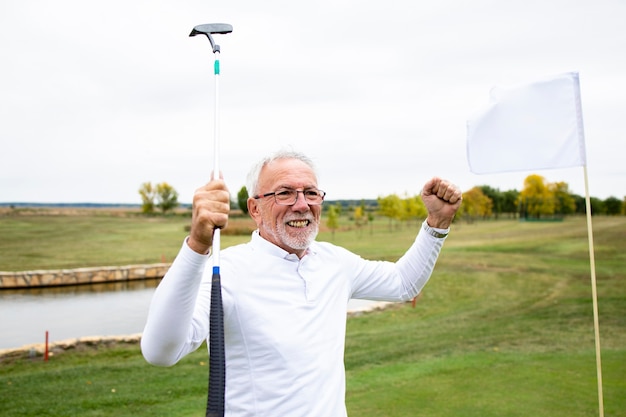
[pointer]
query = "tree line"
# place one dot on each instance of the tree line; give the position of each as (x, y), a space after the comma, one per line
(538, 199)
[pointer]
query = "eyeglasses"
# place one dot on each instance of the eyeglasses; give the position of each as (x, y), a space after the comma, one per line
(287, 197)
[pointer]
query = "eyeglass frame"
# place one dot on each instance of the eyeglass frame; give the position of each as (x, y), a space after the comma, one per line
(322, 193)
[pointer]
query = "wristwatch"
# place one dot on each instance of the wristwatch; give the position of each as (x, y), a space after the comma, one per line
(435, 232)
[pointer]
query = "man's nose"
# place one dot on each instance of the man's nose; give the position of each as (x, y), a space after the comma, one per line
(301, 203)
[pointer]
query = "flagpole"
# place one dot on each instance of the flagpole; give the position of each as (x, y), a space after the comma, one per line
(594, 293)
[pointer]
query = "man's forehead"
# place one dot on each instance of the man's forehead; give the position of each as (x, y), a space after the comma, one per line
(291, 173)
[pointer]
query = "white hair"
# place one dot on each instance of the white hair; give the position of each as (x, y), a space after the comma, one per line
(253, 176)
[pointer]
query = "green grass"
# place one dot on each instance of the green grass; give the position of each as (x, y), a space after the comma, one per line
(504, 328)
(486, 384)
(103, 382)
(43, 241)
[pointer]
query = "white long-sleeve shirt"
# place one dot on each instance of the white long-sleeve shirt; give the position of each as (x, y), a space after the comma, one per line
(284, 318)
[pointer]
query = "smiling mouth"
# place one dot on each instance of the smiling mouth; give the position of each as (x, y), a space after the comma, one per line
(298, 223)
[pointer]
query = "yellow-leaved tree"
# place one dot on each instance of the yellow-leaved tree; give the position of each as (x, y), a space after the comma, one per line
(476, 204)
(537, 198)
(147, 193)
(563, 199)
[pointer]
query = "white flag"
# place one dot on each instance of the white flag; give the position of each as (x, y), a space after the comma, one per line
(534, 126)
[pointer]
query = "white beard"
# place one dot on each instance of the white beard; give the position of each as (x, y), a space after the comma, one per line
(299, 241)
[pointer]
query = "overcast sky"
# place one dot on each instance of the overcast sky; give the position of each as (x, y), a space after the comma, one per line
(98, 97)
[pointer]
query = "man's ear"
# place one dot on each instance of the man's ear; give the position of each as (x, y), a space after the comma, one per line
(253, 209)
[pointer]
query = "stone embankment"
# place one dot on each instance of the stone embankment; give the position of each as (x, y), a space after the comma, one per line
(81, 276)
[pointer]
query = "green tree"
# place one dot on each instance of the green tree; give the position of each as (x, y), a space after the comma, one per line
(391, 206)
(148, 194)
(496, 197)
(612, 206)
(333, 218)
(581, 204)
(167, 197)
(509, 202)
(242, 199)
(597, 206)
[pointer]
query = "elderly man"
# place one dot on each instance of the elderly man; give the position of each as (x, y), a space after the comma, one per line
(285, 294)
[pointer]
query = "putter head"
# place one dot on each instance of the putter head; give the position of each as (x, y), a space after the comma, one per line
(210, 28)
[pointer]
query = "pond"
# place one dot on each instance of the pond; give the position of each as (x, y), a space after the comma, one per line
(72, 312)
(112, 309)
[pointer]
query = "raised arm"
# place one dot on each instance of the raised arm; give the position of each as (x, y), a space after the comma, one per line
(171, 329)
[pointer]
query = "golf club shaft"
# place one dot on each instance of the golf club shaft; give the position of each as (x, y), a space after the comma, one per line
(216, 156)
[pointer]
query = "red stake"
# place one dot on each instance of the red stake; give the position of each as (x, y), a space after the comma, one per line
(45, 354)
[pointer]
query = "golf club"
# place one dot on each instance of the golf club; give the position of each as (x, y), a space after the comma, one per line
(217, 360)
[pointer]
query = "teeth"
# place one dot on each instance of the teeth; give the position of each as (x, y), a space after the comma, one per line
(298, 223)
